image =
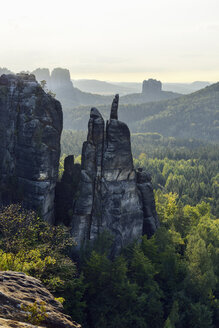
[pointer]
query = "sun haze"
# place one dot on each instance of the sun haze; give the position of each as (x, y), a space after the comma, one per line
(113, 40)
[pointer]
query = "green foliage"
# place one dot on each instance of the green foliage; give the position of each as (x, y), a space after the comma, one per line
(170, 280)
(193, 180)
(31, 245)
(35, 313)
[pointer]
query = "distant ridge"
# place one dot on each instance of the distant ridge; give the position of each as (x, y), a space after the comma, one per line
(103, 87)
(124, 88)
(194, 116)
(60, 83)
(190, 116)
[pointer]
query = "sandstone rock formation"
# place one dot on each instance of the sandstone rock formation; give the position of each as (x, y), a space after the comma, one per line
(7, 323)
(18, 290)
(30, 129)
(60, 78)
(109, 195)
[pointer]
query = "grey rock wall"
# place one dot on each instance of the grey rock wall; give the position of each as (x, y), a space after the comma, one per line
(30, 129)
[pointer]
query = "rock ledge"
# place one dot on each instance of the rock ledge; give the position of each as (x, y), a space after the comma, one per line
(17, 288)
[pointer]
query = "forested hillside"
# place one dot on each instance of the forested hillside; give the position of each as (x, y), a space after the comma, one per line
(170, 280)
(191, 116)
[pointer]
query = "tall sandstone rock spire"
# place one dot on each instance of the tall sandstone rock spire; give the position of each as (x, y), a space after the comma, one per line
(111, 199)
(30, 130)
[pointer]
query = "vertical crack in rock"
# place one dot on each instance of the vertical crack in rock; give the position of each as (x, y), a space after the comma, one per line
(114, 108)
(110, 198)
(91, 172)
(151, 222)
(30, 129)
(66, 191)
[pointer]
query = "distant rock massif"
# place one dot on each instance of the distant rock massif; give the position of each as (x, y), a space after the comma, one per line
(60, 83)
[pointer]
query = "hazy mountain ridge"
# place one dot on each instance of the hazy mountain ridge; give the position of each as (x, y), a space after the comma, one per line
(103, 87)
(190, 116)
(59, 82)
(124, 88)
(195, 115)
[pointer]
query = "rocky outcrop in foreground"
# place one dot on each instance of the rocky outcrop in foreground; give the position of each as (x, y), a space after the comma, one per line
(30, 129)
(17, 291)
(111, 199)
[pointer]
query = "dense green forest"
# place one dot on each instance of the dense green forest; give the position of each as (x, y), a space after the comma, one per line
(170, 280)
(190, 116)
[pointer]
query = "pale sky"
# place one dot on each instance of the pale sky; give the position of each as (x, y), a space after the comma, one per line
(117, 40)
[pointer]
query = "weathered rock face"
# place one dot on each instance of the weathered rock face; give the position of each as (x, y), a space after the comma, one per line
(110, 199)
(30, 129)
(17, 289)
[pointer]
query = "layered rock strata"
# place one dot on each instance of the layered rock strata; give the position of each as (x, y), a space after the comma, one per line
(111, 199)
(18, 292)
(30, 129)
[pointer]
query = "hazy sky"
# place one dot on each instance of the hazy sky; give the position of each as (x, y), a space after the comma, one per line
(171, 40)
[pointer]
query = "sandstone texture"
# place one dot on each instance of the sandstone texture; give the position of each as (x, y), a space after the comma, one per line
(18, 290)
(30, 129)
(112, 198)
(7, 323)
